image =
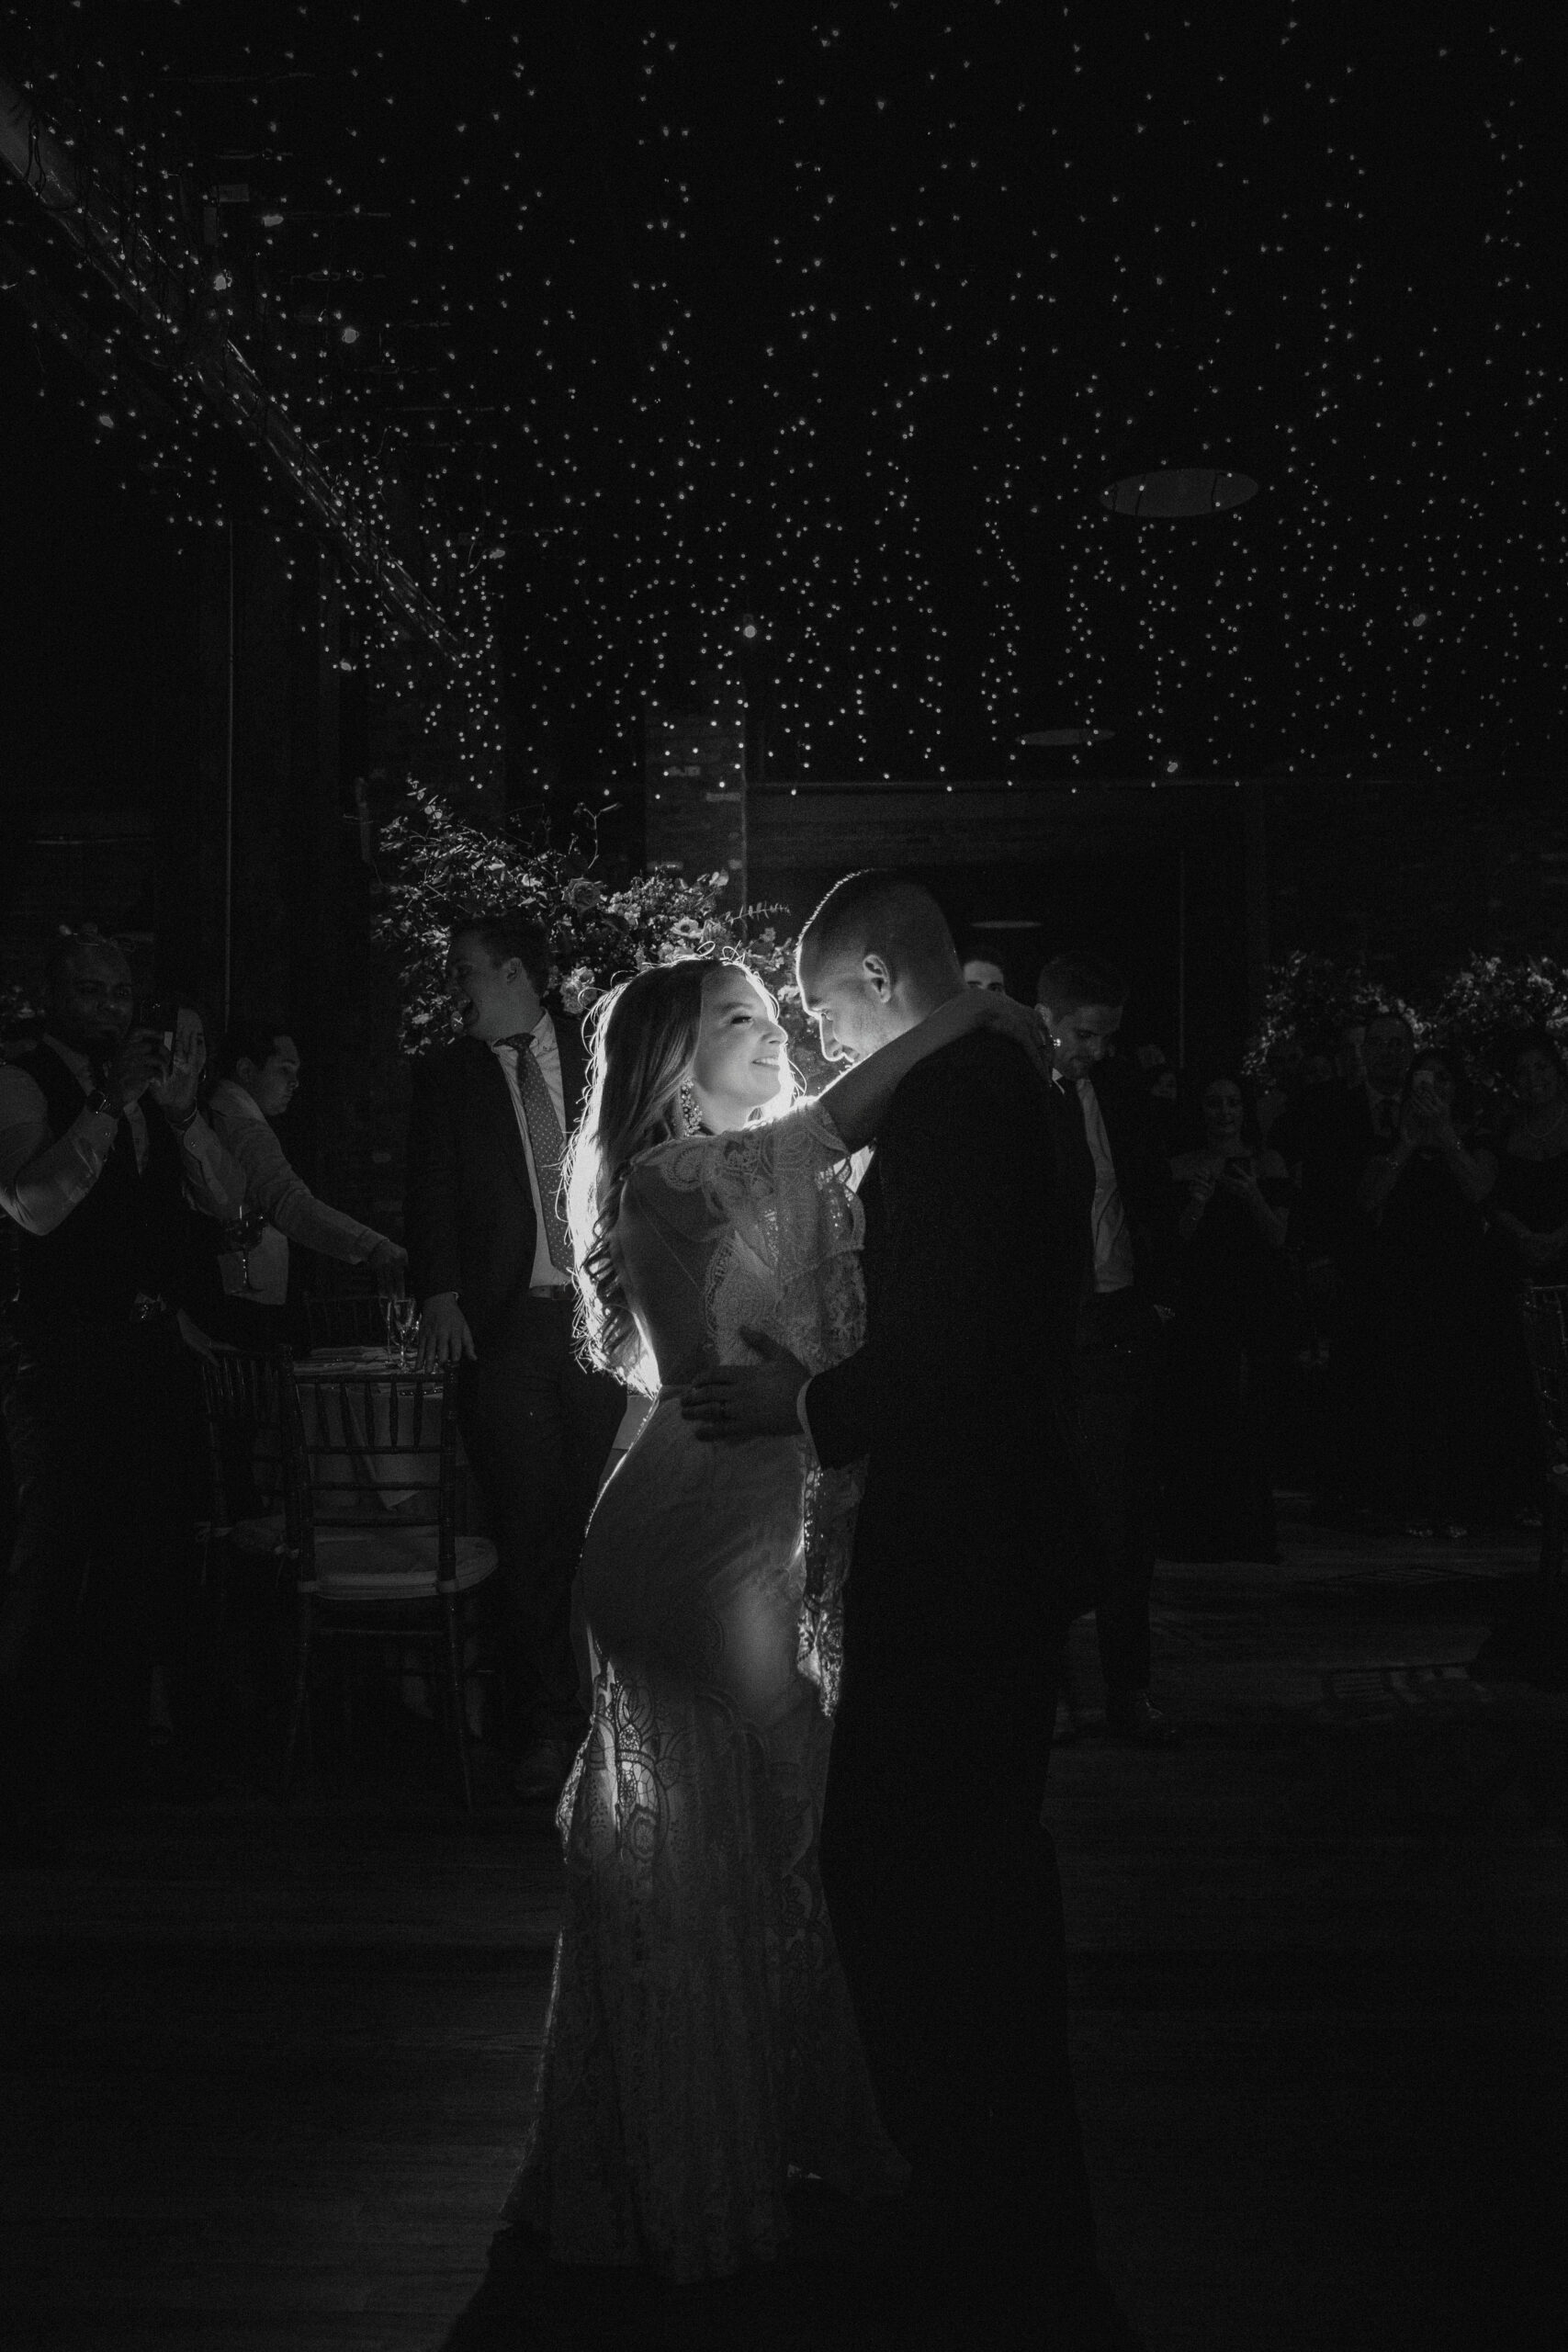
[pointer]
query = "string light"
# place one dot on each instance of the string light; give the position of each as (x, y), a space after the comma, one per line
(850, 327)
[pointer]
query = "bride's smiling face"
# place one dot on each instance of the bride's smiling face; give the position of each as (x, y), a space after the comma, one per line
(739, 1062)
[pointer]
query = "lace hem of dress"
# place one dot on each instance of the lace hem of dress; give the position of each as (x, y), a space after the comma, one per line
(728, 2000)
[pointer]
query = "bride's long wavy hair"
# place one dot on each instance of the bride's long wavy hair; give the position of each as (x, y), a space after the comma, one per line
(644, 1040)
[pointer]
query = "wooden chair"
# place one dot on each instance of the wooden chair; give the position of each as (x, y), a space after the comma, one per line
(353, 1320)
(248, 1498)
(373, 1465)
(249, 1542)
(1546, 1343)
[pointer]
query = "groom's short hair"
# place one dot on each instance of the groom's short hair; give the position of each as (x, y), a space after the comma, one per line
(1069, 981)
(879, 912)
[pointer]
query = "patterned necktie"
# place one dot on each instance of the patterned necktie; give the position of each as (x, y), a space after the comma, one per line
(546, 1142)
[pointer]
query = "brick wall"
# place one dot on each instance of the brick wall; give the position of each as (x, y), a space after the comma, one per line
(1409, 877)
(694, 766)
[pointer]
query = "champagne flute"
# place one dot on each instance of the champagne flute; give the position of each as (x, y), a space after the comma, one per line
(241, 1234)
(402, 1328)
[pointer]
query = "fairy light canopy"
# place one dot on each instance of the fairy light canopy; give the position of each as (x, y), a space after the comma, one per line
(615, 329)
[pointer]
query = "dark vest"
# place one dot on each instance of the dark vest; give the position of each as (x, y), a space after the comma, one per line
(121, 1239)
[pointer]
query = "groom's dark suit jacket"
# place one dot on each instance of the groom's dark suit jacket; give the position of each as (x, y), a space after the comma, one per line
(972, 1273)
(941, 1880)
(470, 1213)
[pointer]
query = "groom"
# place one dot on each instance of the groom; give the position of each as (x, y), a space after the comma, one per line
(941, 1880)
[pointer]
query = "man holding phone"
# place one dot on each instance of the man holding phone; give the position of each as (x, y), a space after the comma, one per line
(100, 1144)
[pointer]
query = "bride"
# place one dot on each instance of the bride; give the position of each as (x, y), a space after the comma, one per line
(700, 2046)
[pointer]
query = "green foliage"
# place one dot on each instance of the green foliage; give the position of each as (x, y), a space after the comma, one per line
(1309, 995)
(437, 868)
(1485, 1004)
(1477, 1010)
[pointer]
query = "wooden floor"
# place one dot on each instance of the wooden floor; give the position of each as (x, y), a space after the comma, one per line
(265, 2076)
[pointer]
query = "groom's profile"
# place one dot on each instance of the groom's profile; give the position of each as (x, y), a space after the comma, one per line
(941, 1880)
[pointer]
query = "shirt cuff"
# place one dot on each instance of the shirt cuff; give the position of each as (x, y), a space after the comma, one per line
(805, 1424)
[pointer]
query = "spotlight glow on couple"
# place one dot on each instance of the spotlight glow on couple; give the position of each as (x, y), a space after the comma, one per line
(813, 1921)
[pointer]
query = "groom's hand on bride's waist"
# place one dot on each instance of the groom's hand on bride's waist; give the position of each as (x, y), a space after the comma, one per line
(735, 1401)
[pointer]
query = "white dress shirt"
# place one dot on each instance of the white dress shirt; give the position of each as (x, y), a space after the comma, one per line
(1113, 1266)
(291, 1209)
(546, 1274)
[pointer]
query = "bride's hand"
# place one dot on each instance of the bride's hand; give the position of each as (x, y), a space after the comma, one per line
(988, 1009)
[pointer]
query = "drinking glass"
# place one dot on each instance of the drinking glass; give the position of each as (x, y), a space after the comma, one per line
(403, 1332)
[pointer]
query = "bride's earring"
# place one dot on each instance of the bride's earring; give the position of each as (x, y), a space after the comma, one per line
(691, 1116)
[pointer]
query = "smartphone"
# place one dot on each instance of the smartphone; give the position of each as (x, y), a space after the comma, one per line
(160, 1014)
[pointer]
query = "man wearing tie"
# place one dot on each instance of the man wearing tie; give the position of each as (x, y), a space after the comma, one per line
(1111, 1167)
(491, 1265)
(1347, 1123)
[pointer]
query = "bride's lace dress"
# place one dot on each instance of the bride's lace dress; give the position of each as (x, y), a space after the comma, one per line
(700, 2043)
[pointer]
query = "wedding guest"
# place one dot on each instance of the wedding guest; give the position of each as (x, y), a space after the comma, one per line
(1158, 1076)
(100, 1137)
(1421, 1194)
(1341, 1125)
(1348, 1122)
(1526, 1242)
(1114, 1174)
(1302, 1078)
(1235, 1323)
(1529, 1203)
(490, 1263)
(262, 1069)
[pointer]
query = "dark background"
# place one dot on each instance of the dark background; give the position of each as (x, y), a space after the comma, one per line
(663, 317)
(850, 324)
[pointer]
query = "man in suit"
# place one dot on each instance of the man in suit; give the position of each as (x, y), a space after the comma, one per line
(940, 1876)
(490, 1264)
(1338, 1131)
(1351, 1121)
(1119, 1184)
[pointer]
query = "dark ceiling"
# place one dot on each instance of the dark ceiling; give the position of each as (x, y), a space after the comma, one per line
(846, 318)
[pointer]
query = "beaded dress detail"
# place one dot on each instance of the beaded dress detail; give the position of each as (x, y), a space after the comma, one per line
(700, 2045)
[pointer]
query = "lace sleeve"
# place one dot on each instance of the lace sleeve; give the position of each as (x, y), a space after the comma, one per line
(787, 1265)
(783, 1191)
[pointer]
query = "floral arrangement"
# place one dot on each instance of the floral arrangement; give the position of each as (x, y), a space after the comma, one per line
(1476, 1011)
(1310, 994)
(436, 868)
(1485, 1004)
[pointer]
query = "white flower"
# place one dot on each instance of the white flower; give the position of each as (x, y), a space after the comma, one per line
(580, 989)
